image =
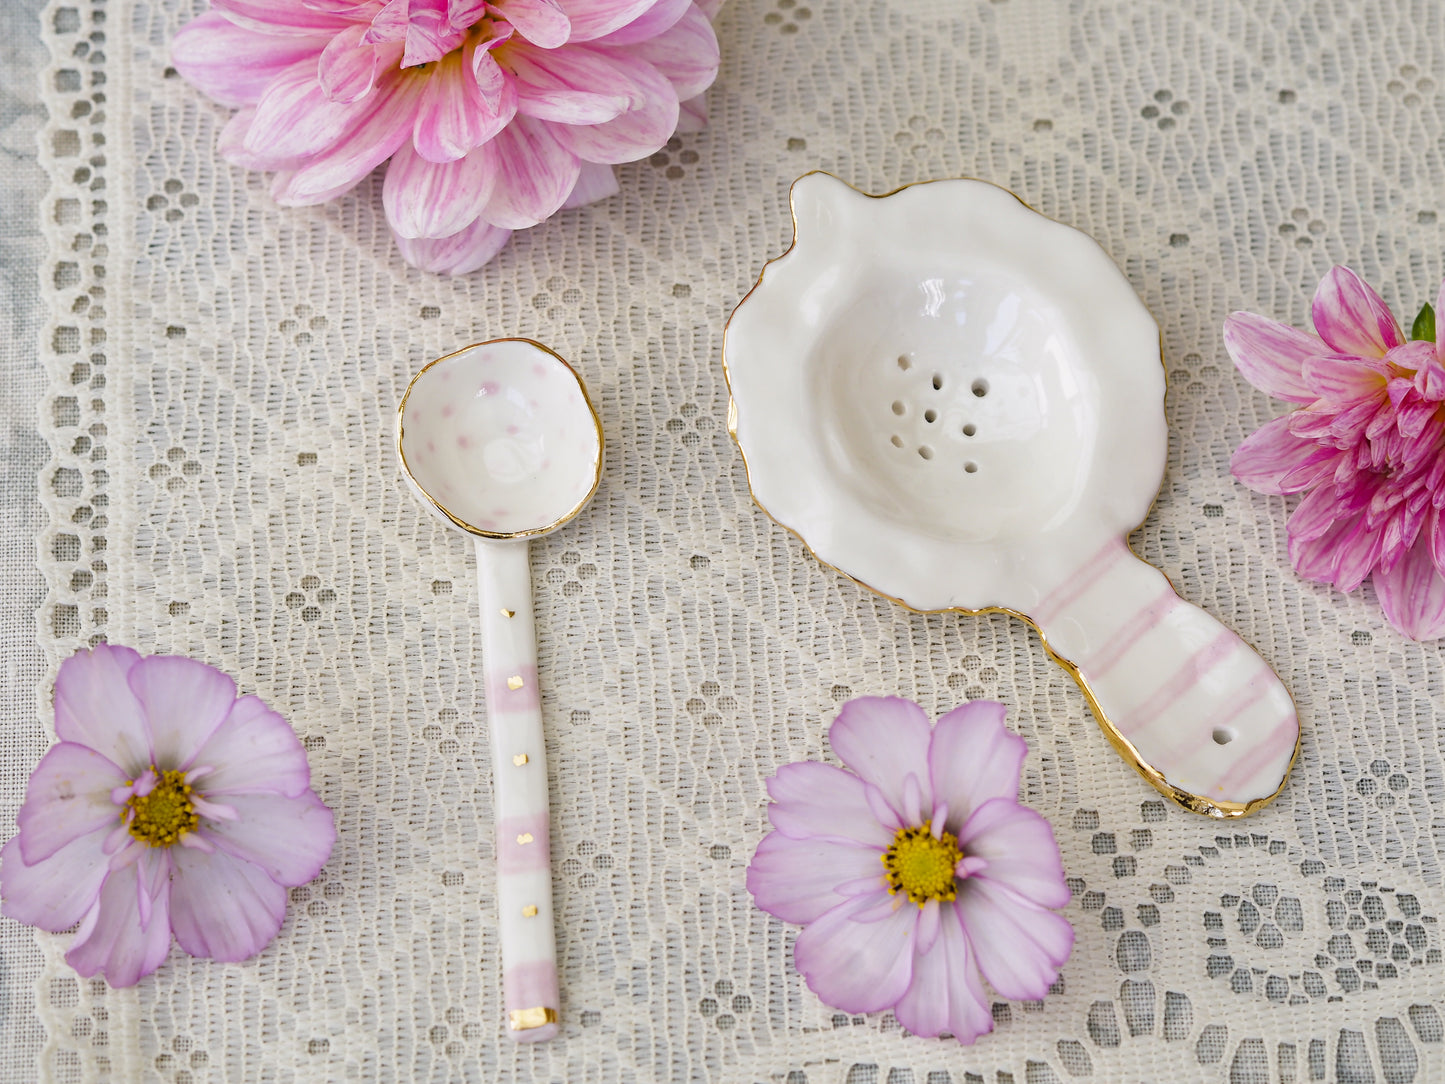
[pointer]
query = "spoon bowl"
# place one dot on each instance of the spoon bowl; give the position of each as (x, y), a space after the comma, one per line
(500, 441)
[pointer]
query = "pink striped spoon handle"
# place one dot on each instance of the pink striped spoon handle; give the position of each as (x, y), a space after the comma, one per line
(519, 788)
(1196, 710)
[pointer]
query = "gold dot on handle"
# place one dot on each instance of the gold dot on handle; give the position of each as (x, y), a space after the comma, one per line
(515, 682)
(520, 759)
(509, 613)
(524, 838)
(530, 911)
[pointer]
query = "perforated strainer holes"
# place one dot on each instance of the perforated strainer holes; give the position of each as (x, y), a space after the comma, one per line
(970, 467)
(904, 363)
(899, 408)
(930, 416)
(925, 452)
(970, 429)
(1223, 735)
(979, 387)
(897, 441)
(937, 381)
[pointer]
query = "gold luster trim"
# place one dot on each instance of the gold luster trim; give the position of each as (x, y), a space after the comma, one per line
(530, 911)
(520, 759)
(526, 1019)
(1194, 803)
(515, 682)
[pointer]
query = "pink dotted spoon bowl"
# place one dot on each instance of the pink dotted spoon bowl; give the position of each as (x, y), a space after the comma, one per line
(500, 441)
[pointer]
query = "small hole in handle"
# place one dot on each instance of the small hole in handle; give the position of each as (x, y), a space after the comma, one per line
(980, 387)
(1223, 735)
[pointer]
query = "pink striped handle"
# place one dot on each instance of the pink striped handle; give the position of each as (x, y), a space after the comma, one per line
(519, 788)
(1200, 714)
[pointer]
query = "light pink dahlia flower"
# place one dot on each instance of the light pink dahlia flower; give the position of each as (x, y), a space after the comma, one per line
(916, 870)
(169, 806)
(1365, 444)
(494, 114)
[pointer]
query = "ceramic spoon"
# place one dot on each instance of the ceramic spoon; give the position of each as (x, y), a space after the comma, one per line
(959, 403)
(501, 441)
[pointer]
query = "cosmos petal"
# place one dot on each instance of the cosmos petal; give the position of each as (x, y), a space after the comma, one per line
(855, 961)
(223, 907)
(68, 796)
(184, 702)
(885, 740)
(256, 752)
(1019, 946)
(289, 838)
(973, 758)
(818, 801)
(946, 994)
(797, 880)
(95, 707)
(1020, 849)
(56, 892)
(117, 943)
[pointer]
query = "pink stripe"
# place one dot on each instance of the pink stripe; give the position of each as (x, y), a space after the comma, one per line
(1105, 658)
(1253, 690)
(1286, 730)
(1068, 592)
(1184, 679)
(528, 857)
(503, 698)
(531, 985)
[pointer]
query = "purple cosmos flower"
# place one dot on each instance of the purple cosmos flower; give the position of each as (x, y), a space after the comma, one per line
(168, 806)
(494, 114)
(916, 870)
(1365, 444)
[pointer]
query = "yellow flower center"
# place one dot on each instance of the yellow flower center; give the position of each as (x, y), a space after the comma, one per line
(921, 865)
(166, 813)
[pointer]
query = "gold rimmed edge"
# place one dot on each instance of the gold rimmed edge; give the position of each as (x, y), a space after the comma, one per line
(501, 536)
(527, 1019)
(1188, 800)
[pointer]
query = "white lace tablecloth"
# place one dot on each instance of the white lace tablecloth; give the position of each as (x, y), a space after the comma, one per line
(222, 379)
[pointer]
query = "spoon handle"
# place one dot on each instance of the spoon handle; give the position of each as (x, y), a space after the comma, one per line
(1188, 702)
(519, 787)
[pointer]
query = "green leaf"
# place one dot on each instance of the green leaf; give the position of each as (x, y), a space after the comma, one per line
(1424, 325)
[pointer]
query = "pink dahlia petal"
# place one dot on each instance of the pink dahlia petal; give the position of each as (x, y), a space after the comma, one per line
(282, 17)
(223, 907)
(232, 145)
(577, 85)
(56, 892)
(1341, 378)
(643, 129)
(1020, 850)
(295, 118)
(973, 757)
(797, 880)
(819, 801)
(710, 8)
(1412, 594)
(659, 18)
(1356, 556)
(1317, 513)
(885, 741)
(1271, 355)
(459, 254)
(348, 66)
(946, 994)
(289, 838)
(430, 199)
(692, 115)
(256, 752)
(594, 182)
(376, 135)
(68, 797)
(687, 54)
(855, 961)
(1019, 947)
(184, 701)
(1434, 532)
(94, 706)
(232, 64)
(535, 175)
(117, 943)
(592, 19)
(1352, 318)
(1273, 460)
(542, 22)
(1317, 558)
(452, 116)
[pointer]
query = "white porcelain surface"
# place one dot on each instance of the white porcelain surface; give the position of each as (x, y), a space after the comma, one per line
(500, 440)
(959, 403)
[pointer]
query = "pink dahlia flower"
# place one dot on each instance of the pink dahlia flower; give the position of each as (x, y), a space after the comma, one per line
(494, 114)
(1365, 444)
(169, 806)
(916, 870)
